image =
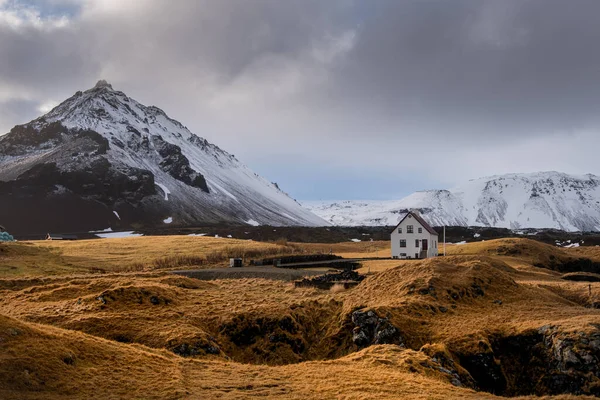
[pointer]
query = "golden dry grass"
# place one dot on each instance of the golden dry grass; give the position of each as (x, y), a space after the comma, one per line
(372, 266)
(44, 258)
(128, 254)
(25, 258)
(351, 249)
(590, 252)
(114, 335)
(523, 249)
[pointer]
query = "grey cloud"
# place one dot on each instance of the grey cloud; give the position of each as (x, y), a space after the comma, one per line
(522, 67)
(17, 110)
(336, 83)
(221, 38)
(42, 60)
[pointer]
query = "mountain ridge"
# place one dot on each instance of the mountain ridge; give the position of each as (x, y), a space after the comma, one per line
(547, 199)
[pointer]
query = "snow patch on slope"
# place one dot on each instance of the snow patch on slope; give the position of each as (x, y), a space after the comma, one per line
(118, 235)
(165, 190)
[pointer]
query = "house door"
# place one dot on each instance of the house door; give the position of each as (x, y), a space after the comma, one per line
(424, 246)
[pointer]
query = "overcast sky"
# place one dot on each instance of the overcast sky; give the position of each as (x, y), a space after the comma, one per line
(368, 99)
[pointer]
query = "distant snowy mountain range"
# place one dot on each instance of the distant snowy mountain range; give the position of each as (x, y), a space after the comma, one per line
(100, 159)
(515, 201)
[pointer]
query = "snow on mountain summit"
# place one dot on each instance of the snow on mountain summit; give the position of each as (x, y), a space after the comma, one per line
(533, 200)
(100, 143)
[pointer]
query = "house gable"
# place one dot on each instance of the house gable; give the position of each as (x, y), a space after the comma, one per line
(420, 220)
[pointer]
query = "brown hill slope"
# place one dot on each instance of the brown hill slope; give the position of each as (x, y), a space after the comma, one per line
(40, 362)
(438, 328)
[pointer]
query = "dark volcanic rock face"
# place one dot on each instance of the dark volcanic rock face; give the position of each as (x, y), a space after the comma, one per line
(370, 329)
(72, 186)
(47, 199)
(486, 371)
(96, 181)
(24, 137)
(541, 362)
(177, 165)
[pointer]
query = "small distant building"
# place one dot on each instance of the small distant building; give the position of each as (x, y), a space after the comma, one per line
(414, 238)
(235, 262)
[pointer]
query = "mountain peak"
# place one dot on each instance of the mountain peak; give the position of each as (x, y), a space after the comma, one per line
(121, 163)
(103, 84)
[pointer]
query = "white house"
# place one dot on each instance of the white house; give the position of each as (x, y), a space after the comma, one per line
(414, 238)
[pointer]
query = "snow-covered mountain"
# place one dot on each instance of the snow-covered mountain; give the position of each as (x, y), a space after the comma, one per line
(515, 201)
(101, 159)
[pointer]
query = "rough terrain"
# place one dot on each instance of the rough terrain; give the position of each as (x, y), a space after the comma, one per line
(493, 318)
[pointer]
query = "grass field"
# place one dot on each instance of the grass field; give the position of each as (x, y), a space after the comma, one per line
(129, 254)
(106, 319)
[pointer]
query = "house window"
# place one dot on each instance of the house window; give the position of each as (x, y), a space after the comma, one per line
(416, 242)
(402, 243)
(402, 254)
(409, 229)
(420, 230)
(400, 230)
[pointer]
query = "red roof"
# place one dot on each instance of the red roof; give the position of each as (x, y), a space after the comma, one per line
(420, 220)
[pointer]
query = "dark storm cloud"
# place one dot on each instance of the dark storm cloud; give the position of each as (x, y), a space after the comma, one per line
(40, 59)
(344, 85)
(490, 66)
(222, 38)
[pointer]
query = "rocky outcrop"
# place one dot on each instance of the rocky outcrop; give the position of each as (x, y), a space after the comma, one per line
(22, 138)
(25, 138)
(371, 329)
(177, 165)
(546, 361)
(97, 181)
(576, 362)
(196, 348)
(485, 370)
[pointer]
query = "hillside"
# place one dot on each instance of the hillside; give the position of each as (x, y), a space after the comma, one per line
(515, 201)
(102, 160)
(491, 317)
